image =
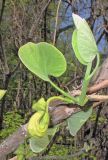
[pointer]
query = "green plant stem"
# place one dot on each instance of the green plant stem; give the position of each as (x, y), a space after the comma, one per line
(86, 81)
(85, 85)
(97, 64)
(71, 98)
(83, 92)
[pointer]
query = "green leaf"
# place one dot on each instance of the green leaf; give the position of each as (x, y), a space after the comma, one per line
(39, 144)
(75, 48)
(76, 121)
(84, 40)
(43, 59)
(2, 93)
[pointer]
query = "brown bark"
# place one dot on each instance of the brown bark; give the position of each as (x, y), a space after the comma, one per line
(13, 141)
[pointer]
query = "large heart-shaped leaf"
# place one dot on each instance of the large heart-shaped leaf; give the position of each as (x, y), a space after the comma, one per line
(76, 121)
(2, 93)
(43, 59)
(84, 40)
(39, 144)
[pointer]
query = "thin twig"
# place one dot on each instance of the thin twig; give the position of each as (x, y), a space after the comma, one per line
(56, 21)
(98, 87)
(96, 121)
(92, 97)
(98, 97)
(2, 10)
(38, 20)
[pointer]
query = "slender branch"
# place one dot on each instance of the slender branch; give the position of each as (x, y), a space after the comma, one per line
(92, 97)
(96, 122)
(98, 87)
(56, 21)
(98, 97)
(37, 20)
(2, 10)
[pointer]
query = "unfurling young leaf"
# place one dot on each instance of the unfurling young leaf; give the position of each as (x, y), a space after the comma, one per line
(83, 41)
(40, 105)
(39, 121)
